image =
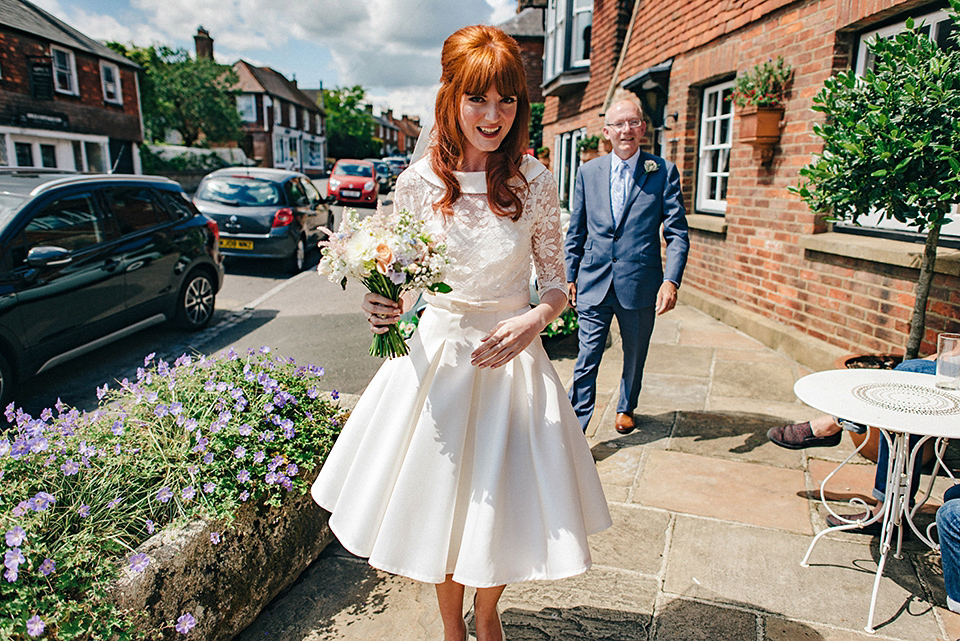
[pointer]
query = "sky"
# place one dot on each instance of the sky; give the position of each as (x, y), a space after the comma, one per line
(390, 47)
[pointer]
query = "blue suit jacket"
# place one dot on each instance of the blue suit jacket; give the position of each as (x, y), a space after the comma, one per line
(600, 254)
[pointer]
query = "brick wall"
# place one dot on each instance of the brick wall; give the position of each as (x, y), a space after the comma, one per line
(87, 113)
(758, 263)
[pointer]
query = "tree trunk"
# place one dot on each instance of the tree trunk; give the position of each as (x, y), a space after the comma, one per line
(918, 319)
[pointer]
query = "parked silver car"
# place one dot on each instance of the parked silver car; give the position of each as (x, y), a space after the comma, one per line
(265, 213)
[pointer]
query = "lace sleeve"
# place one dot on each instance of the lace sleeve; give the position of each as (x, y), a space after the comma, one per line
(546, 239)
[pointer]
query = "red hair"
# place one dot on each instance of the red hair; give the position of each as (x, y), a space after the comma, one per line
(473, 60)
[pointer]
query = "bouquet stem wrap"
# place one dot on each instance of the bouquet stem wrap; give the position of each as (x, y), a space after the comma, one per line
(390, 344)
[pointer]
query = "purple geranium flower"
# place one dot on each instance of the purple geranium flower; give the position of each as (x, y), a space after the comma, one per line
(176, 408)
(186, 623)
(209, 487)
(47, 567)
(240, 451)
(117, 428)
(188, 493)
(35, 626)
(244, 496)
(15, 537)
(215, 538)
(83, 511)
(208, 458)
(11, 575)
(190, 424)
(161, 410)
(139, 562)
(292, 469)
(164, 494)
(245, 430)
(243, 476)
(334, 394)
(70, 468)
(313, 392)
(150, 526)
(12, 559)
(41, 501)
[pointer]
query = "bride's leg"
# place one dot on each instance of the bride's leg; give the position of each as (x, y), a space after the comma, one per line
(450, 598)
(486, 617)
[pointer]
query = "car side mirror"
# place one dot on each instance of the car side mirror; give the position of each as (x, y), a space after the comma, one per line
(48, 256)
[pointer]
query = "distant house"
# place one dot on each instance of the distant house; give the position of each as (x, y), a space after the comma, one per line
(283, 127)
(409, 132)
(66, 100)
(386, 130)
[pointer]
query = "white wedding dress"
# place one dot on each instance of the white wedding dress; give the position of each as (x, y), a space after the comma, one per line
(445, 468)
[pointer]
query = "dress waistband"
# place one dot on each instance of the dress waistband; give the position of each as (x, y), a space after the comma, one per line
(444, 301)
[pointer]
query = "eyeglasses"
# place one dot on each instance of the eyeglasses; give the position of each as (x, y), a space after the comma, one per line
(623, 125)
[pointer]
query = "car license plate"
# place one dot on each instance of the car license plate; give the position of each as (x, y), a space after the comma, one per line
(349, 193)
(233, 243)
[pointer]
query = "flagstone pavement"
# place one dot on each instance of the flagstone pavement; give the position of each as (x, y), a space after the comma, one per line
(711, 521)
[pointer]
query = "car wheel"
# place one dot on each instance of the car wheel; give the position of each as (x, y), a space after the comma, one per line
(298, 258)
(196, 302)
(6, 382)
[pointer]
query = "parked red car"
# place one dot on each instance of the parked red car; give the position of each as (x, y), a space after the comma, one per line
(353, 181)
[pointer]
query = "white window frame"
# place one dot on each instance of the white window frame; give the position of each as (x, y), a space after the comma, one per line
(292, 114)
(71, 72)
(563, 28)
(711, 127)
(118, 92)
(876, 220)
(247, 107)
(568, 161)
(277, 111)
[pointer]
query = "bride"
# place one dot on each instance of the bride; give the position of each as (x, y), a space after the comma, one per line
(463, 463)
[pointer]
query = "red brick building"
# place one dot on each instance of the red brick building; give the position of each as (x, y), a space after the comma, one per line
(760, 259)
(527, 29)
(66, 100)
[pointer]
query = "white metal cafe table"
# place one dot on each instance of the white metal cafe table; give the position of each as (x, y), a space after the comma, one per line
(899, 404)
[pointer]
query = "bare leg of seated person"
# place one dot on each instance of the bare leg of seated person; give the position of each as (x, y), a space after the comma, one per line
(823, 431)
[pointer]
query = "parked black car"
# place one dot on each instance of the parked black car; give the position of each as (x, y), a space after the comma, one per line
(88, 259)
(264, 213)
(385, 177)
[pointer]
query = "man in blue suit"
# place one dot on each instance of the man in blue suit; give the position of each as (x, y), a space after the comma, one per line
(613, 261)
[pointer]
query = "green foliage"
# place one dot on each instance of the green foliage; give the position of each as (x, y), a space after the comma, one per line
(193, 96)
(154, 163)
(350, 127)
(563, 325)
(192, 440)
(762, 86)
(892, 138)
(536, 124)
(891, 143)
(588, 142)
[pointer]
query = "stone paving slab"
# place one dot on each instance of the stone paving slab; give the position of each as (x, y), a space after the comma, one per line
(722, 561)
(729, 490)
(731, 435)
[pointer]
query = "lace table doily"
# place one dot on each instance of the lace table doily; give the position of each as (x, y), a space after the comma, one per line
(910, 399)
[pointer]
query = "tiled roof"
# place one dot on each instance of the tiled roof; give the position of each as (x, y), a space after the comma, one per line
(526, 24)
(266, 80)
(31, 19)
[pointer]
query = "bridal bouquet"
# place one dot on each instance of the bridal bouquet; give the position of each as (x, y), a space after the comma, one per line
(389, 254)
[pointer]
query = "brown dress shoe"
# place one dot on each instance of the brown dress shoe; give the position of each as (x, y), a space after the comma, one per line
(624, 423)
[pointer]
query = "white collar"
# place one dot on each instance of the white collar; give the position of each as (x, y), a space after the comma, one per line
(475, 182)
(630, 162)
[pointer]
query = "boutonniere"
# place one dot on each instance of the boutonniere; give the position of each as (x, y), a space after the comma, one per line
(650, 166)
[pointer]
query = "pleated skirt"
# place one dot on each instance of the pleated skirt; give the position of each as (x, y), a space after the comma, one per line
(447, 469)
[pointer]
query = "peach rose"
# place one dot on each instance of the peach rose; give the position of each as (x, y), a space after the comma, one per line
(384, 258)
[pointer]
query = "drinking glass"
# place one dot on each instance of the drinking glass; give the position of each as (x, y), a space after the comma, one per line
(948, 361)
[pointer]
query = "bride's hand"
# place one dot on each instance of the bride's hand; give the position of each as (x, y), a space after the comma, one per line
(381, 312)
(508, 338)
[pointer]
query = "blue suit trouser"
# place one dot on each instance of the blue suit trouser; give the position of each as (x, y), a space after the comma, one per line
(636, 326)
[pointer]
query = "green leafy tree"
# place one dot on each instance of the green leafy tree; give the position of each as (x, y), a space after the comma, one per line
(350, 127)
(892, 144)
(536, 124)
(193, 96)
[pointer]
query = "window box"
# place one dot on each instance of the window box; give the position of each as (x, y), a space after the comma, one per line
(760, 128)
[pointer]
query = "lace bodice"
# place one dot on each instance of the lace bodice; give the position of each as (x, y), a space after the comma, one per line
(491, 255)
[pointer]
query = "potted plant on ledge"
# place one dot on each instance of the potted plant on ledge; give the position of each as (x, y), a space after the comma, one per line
(891, 143)
(589, 148)
(759, 93)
